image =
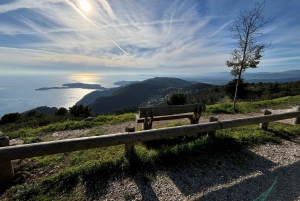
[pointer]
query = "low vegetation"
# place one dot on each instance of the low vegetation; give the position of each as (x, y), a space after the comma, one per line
(246, 107)
(247, 91)
(31, 130)
(84, 174)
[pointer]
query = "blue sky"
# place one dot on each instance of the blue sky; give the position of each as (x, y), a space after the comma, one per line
(150, 37)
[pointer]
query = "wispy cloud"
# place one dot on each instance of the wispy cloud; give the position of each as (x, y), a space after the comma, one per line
(176, 37)
(107, 8)
(221, 28)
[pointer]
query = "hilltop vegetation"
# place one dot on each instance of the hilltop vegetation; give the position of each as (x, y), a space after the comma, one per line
(157, 91)
(137, 94)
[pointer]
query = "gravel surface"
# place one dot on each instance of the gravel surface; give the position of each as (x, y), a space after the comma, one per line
(271, 171)
(244, 176)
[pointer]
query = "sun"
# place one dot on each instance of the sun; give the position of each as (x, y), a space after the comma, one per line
(85, 5)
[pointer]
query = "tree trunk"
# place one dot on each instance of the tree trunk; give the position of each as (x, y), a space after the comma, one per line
(236, 90)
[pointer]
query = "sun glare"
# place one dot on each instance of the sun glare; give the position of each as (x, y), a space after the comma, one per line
(85, 5)
(86, 77)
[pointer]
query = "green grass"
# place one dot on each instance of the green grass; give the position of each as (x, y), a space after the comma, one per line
(32, 134)
(114, 119)
(246, 107)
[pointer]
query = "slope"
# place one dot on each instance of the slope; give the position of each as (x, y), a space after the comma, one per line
(90, 97)
(135, 94)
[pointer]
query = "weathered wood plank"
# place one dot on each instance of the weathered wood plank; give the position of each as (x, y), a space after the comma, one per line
(171, 109)
(129, 147)
(265, 125)
(6, 168)
(170, 117)
(46, 148)
(62, 146)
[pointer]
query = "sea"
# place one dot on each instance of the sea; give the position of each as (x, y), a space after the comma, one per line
(18, 92)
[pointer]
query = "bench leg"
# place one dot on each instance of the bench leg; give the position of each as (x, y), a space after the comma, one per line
(194, 120)
(148, 124)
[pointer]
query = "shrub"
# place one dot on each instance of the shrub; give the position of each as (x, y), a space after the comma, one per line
(10, 118)
(177, 99)
(61, 112)
(80, 111)
(242, 89)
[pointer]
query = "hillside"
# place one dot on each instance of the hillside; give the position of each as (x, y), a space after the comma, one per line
(131, 95)
(91, 97)
(199, 86)
(137, 94)
(160, 89)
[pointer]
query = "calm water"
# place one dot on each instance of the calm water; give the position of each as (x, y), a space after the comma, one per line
(17, 92)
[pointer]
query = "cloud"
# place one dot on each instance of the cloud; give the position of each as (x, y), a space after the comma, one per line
(107, 8)
(166, 36)
(221, 28)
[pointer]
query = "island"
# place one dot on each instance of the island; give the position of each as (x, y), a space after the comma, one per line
(77, 85)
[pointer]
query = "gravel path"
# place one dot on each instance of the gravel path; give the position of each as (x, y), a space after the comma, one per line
(222, 179)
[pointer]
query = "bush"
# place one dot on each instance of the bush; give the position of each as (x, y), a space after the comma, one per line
(177, 99)
(242, 89)
(9, 118)
(61, 112)
(80, 111)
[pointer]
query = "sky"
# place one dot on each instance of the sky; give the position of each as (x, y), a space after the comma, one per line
(146, 37)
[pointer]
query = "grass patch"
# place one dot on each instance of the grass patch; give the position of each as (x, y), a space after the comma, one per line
(114, 119)
(246, 107)
(31, 133)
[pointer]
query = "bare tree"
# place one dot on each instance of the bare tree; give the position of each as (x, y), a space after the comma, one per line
(246, 28)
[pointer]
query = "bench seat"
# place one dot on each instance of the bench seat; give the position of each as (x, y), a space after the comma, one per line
(147, 115)
(169, 117)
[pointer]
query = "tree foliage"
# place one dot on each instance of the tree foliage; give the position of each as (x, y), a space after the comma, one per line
(177, 99)
(61, 112)
(10, 118)
(242, 89)
(246, 28)
(80, 111)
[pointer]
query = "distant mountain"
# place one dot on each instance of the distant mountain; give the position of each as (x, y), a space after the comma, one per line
(199, 86)
(279, 80)
(167, 81)
(135, 94)
(221, 78)
(272, 75)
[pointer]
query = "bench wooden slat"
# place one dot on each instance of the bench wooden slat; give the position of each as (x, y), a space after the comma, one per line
(169, 117)
(170, 110)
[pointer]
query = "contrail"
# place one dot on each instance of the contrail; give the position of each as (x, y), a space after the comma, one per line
(95, 25)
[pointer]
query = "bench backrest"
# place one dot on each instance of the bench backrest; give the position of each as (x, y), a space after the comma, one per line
(172, 109)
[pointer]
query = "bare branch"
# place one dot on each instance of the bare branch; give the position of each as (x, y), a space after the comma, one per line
(245, 29)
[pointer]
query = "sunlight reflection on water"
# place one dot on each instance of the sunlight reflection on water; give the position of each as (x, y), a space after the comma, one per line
(18, 92)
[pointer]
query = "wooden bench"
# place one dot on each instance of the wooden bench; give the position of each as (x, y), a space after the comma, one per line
(147, 115)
